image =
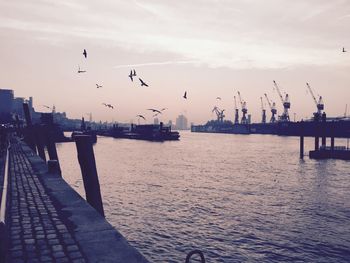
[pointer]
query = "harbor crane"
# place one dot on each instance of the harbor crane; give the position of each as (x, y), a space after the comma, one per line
(244, 119)
(319, 103)
(285, 102)
(236, 112)
(263, 110)
(273, 109)
(219, 114)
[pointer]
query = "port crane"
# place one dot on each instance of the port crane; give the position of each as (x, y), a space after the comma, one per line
(244, 119)
(319, 103)
(285, 102)
(236, 111)
(263, 110)
(219, 114)
(273, 109)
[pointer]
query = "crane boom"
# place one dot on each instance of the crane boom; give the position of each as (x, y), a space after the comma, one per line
(234, 97)
(278, 90)
(312, 94)
(240, 98)
(268, 101)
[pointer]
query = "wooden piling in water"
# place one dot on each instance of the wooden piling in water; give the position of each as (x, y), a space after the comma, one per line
(87, 163)
(301, 147)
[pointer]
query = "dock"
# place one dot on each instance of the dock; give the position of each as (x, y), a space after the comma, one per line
(47, 221)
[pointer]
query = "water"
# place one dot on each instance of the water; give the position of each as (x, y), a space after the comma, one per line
(238, 198)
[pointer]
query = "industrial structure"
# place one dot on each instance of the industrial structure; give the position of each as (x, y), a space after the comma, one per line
(244, 119)
(272, 108)
(219, 114)
(319, 104)
(236, 121)
(263, 111)
(286, 104)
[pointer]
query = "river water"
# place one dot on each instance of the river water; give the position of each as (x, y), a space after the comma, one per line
(238, 198)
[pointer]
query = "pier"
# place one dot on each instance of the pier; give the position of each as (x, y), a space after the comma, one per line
(45, 220)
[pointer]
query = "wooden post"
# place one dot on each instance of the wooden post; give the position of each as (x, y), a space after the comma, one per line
(87, 163)
(30, 135)
(301, 147)
(317, 143)
(40, 141)
(51, 146)
(332, 143)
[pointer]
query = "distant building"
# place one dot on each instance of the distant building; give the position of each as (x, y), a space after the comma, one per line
(6, 100)
(17, 107)
(6, 103)
(181, 122)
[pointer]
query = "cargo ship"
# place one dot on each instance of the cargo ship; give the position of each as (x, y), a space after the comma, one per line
(149, 132)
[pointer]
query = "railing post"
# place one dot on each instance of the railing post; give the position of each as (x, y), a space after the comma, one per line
(87, 163)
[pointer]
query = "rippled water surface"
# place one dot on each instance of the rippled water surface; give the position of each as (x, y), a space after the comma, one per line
(238, 198)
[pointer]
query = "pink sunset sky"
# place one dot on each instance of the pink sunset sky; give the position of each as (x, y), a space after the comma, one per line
(205, 47)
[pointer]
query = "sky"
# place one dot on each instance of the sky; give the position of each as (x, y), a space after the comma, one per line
(209, 48)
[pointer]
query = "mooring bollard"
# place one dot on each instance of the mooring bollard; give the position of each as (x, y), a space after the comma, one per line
(87, 163)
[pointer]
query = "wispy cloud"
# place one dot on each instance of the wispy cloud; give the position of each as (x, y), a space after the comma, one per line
(157, 64)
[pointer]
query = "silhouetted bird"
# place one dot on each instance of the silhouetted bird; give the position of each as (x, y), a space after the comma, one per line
(98, 86)
(344, 49)
(154, 110)
(110, 106)
(46, 106)
(163, 109)
(85, 53)
(81, 71)
(143, 83)
(185, 95)
(218, 98)
(140, 116)
(131, 76)
(134, 73)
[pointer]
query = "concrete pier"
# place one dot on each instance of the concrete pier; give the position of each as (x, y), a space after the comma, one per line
(48, 221)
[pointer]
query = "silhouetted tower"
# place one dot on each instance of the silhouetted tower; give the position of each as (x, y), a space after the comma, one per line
(272, 108)
(53, 109)
(236, 112)
(83, 126)
(319, 104)
(285, 102)
(263, 111)
(244, 119)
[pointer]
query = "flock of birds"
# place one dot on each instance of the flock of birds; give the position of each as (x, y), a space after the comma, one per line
(131, 76)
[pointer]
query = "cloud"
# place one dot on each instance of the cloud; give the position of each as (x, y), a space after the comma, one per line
(157, 64)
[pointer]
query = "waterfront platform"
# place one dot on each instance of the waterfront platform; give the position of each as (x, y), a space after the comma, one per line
(47, 221)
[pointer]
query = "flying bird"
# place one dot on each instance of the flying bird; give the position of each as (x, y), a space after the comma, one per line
(98, 86)
(143, 83)
(46, 106)
(218, 98)
(134, 73)
(140, 116)
(154, 110)
(185, 95)
(110, 106)
(163, 109)
(344, 49)
(85, 53)
(81, 71)
(131, 76)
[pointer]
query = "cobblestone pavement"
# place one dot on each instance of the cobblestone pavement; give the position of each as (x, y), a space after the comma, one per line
(36, 227)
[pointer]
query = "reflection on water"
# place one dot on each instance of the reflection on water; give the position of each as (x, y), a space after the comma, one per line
(235, 197)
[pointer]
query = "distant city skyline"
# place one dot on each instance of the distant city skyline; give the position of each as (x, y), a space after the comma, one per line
(207, 48)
